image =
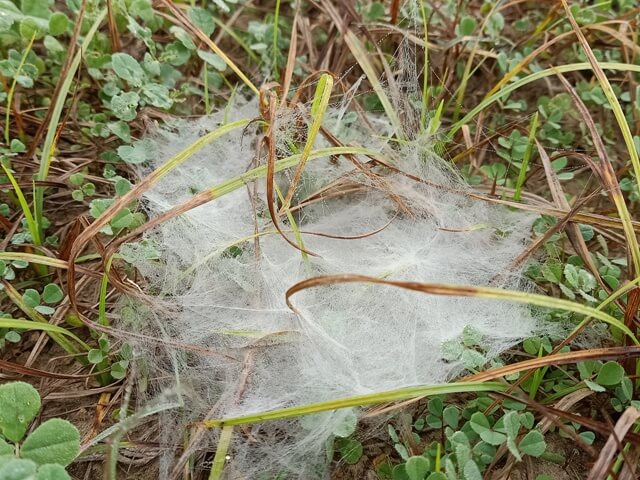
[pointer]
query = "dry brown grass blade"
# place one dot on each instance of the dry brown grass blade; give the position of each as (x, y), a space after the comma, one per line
(197, 32)
(554, 359)
(573, 231)
(456, 290)
(271, 161)
(291, 56)
(588, 218)
(607, 174)
(64, 71)
(551, 416)
(609, 353)
(558, 227)
(624, 40)
(598, 427)
(633, 303)
(395, 8)
(564, 404)
(114, 36)
(601, 468)
(607, 171)
(35, 372)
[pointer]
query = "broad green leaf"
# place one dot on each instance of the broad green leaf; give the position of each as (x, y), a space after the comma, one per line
(451, 416)
(29, 28)
(58, 23)
(350, 449)
(212, 59)
(132, 154)
(19, 405)
(127, 68)
(399, 473)
(16, 146)
(124, 105)
(157, 95)
(123, 219)
(202, 19)
(95, 356)
(52, 471)
(479, 423)
(493, 438)
(472, 358)
(437, 476)
(55, 441)
(121, 130)
(513, 448)
(611, 373)
(594, 386)
(467, 25)
(533, 444)
(511, 424)
(31, 298)
(17, 469)
(45, 310)
(571, 274)
(36, 8)
(183, 37)
(435, 406)
(347, 426)
(119, 369)
(52, 293)
(471, 471)
(417, 467)
(552, 271)
(5, 448)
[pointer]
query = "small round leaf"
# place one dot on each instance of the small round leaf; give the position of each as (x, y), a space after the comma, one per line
(6, 448)
(127, 68)
(31, 298)
(17, 469)
(19, 405)
(52, 293)
(611, 373)
(52, 471)
(417, 467)
(55, 441)
(533, 444)
(58, 23)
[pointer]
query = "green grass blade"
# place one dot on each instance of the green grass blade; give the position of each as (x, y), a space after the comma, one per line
(261, 171)
(24, 205)
(221, 453)
(318, 111)
(510, 88)
(12, 89)
(49, 146)
(425, 77)
(33, 258)
(362, 57)
(533, 127)
(23, 324)
(359, 401)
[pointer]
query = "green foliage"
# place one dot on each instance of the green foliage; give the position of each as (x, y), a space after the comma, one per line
(20, 403)
(169, 72)
(44, 453)
(469, 442)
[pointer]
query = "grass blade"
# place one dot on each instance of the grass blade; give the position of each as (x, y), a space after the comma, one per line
(49, 141)
(533, 127)
(359, 401)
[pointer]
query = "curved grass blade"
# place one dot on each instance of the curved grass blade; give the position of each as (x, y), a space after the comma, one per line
(359, 401)
(49, 141)
(466, 291)
(572, 67)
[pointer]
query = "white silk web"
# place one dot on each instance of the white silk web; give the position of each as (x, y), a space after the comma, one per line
(217, 277)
